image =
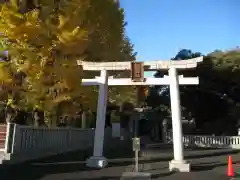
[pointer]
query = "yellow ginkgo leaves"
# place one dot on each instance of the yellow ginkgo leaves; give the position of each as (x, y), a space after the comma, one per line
(45, 43)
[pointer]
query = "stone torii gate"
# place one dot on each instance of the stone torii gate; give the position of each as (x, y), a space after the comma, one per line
(137, 79)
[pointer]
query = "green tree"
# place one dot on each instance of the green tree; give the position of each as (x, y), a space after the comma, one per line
(212, 103)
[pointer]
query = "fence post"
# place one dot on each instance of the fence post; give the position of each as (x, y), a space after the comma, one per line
(16, 138)
(9, 138)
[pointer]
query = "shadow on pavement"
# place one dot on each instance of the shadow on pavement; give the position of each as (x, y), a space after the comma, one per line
(128, 178)
(74, 162)
(209, 166)
(206, 154)
(148, 158)
(35, 171)
(65, 163)
(100, 178)
(162, 175)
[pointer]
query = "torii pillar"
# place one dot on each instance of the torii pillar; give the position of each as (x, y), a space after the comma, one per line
(178, 163)
(98, 160)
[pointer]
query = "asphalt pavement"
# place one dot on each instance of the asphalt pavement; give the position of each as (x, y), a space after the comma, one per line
(208, 164)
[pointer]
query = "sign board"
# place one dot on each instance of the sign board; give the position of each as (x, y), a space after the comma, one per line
(137, 71)
(136, 144)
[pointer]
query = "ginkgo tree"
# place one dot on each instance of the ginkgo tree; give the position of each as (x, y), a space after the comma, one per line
(117, 94)
(45, 42)
(123, 94)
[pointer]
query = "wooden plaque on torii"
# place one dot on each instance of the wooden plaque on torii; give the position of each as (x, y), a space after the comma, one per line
(137, 71)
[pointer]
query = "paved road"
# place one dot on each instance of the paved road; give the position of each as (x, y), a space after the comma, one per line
(206, 164)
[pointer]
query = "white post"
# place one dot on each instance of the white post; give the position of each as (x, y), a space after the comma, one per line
(178, 163)
(97, 160)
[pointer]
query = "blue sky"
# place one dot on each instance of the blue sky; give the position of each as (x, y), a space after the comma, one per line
(160, 28)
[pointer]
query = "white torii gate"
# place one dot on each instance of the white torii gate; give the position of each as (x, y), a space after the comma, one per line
(173, 80)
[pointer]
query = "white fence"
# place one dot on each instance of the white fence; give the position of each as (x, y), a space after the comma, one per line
(208, 141)
(27, 142)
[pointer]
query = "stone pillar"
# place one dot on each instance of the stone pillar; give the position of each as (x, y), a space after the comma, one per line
(97, 160)
(178, 163)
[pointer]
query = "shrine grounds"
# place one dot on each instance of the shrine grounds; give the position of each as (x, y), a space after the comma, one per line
(207, 164)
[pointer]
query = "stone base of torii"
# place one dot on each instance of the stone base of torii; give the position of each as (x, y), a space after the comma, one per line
(173, 80)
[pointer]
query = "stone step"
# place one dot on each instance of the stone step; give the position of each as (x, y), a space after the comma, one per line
(3, 128)
(2, 142)
(3, 134)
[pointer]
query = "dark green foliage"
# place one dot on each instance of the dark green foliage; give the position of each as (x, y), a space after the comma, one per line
(214, 103)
